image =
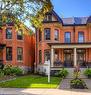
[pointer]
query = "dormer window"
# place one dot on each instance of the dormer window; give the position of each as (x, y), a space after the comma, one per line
(48, 17)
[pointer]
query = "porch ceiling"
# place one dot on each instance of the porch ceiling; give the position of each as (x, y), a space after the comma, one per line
(70, 45)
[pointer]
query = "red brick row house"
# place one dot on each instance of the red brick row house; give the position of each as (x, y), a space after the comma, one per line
(64, 42)
(16, 47)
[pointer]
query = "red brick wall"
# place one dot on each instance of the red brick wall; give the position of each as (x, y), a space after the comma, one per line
(28, 45)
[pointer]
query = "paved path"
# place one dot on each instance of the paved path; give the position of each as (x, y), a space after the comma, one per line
(16, 91)
(65, 84)
(88, 83)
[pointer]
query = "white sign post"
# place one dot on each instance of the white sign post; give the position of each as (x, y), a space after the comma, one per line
(49, 69)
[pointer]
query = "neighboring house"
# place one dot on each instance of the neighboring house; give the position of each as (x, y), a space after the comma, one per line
(64, 42)
(16, 47)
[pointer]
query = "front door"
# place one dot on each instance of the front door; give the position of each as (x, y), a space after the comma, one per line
(68, 58)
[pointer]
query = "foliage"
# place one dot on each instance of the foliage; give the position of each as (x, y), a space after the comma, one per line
(1, 73)
(32, 81)
(32, 10)
(16, 71)
(76, 72)
(87, 72)
(62, 73)
(7, 69)
(78, 84)
(10, 70)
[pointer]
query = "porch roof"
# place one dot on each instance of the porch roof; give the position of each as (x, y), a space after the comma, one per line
(69, 45)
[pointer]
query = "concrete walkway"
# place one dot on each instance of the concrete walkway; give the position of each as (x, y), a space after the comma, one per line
(65, 84)
(16, 91)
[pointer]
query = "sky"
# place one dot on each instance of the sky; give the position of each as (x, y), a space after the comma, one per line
(72, 8)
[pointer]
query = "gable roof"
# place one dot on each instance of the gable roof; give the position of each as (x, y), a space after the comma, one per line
(70, 20)
(57, 16)
(52, 12)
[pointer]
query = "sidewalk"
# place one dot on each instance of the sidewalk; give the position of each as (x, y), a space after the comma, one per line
(18, 91)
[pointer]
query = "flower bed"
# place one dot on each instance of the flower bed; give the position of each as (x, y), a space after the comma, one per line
(78, 84)
(10, 72)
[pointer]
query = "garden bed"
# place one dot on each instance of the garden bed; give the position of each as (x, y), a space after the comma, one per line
(78, 84)
(4, 78)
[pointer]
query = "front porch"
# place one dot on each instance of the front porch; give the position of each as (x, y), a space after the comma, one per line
(70, 55)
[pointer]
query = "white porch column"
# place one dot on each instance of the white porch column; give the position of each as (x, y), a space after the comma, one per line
(75, 57)
(52, 56)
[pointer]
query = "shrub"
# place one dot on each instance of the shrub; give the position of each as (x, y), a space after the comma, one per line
(78, 84)
(10, 70)
(87, 72)
(1, 73)
(62, 73)
(7, 69)
(16, 71)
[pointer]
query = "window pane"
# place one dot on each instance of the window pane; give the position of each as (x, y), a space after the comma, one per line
(19, 53)
(47, 34)
(56, 34)
(81, 37)
(8, 33)
(47, 55)
(20, 35)
(9, 53)
(67, 37)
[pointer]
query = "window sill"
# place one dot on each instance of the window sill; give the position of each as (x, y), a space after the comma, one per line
(20, 61)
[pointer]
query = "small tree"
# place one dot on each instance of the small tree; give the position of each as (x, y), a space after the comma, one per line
(32, 10)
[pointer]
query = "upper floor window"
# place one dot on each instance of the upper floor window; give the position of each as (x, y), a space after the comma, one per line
(40, 35)
(56, 34)
(67, 37)
(9, 53)
(40, 56)
(19, 54)
(81, 37)
(48, 17)
(8, 33)
(47, 55)
(47, 34)
(20, 34)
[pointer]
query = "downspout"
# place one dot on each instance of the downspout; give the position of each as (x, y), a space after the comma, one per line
(74, 31)
(35, 65)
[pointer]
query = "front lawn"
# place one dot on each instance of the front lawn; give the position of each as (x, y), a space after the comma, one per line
(31, 81)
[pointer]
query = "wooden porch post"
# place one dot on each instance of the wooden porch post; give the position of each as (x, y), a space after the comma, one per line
(75, 57)
(52, 56)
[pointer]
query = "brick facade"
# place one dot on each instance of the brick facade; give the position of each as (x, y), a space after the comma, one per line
(64, 25)
(27, 44)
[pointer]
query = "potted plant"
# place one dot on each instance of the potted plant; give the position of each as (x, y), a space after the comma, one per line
(87, 72)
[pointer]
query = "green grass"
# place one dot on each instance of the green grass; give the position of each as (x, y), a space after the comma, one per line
(31, 81)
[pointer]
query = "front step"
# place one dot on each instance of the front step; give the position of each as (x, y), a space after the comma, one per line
(71, 72)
